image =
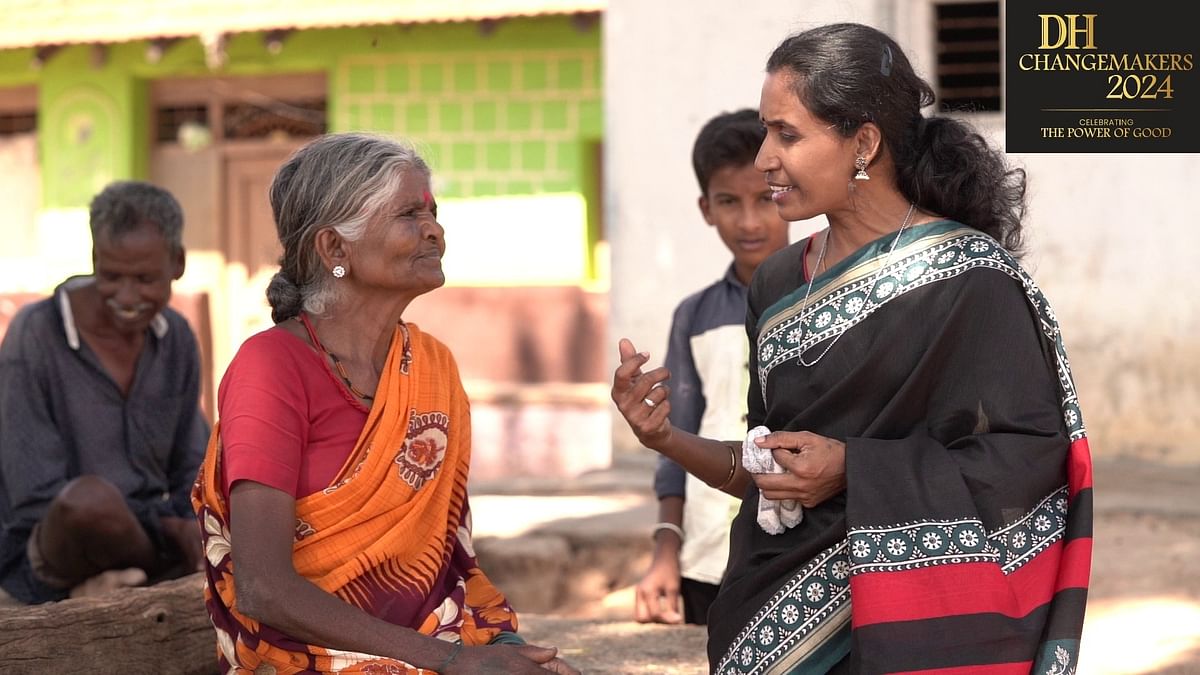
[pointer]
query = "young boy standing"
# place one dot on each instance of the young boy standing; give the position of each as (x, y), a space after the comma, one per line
(707, 357)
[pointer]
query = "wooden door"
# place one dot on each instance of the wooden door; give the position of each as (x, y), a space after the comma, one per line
(221, 177)
(251, 243)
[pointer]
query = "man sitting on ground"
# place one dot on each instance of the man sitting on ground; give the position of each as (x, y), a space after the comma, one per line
(100, 430)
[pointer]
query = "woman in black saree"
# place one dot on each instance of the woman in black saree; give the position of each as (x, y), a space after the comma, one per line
(917, 390)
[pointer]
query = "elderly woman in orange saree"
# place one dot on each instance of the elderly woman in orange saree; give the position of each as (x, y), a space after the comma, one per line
(333, 496)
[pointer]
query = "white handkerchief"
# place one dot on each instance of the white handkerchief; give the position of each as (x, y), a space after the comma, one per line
(774, 516)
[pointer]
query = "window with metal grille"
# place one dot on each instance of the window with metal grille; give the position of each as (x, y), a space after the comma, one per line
(13, 123)
(968, 56)
(170, 119)
(267, 118)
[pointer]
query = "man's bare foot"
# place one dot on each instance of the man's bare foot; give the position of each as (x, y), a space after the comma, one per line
(109, 581)
(7, 600)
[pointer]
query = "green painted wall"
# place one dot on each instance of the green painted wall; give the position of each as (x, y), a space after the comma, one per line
(509, 110)
(516, 121)
(15, 68)
(86, 127)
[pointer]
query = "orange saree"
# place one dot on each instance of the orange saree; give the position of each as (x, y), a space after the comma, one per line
(390, 535)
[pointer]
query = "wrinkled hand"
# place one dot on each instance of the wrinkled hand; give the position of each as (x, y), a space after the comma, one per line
(642, 397)
(815, 467)
(657, 598)
(185, 532)
(504, 659)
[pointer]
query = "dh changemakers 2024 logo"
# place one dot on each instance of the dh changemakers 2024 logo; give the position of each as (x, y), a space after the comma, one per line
(1100, 76)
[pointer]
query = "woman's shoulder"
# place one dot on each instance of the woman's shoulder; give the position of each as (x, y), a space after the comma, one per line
(969, 257)
(430, 346)
(994, 285)
(277, 337)
(785, 259)
(427, 341)
(781, 272)
(273, 361)
(273, 348)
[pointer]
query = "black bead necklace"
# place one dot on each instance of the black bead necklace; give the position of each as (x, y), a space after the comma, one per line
(341, 371)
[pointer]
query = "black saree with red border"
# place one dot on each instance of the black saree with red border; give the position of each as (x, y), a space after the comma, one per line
(962, 543)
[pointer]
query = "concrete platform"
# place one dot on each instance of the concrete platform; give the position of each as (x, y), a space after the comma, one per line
(569, 547)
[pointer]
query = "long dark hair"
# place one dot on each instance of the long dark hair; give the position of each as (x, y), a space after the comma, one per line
(848, 74)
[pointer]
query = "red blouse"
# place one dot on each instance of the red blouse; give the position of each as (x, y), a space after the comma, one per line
(286, 419)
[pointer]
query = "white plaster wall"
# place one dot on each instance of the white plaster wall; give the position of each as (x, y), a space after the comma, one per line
(1114, 244)
(1112, 237)
(670, 66)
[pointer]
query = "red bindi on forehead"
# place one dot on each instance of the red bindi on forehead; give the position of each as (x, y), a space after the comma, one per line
(428, 198)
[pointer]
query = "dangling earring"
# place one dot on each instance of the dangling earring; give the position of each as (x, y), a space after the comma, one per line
(860, 163)
(339, 271)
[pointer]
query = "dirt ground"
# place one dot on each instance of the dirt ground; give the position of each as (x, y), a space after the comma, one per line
(1144, 602)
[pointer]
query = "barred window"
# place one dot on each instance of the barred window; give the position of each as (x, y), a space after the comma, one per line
(968, 56)
(170, 119)
(259, 120)
(221, 113)
(13, 123)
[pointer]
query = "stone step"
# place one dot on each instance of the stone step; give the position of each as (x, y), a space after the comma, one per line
(562, 554)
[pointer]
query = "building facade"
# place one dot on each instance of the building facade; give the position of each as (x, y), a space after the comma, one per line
(502, 98)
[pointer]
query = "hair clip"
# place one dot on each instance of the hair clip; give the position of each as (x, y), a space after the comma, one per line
(885, 63)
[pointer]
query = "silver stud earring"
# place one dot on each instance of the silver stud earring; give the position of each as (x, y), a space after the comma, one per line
(339, 271)
(860, 163)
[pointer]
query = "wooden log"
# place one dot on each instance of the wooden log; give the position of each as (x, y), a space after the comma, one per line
(164, 630)
(160, 629)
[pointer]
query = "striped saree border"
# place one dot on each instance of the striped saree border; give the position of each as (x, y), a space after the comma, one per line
(791, 328)
(810, 612)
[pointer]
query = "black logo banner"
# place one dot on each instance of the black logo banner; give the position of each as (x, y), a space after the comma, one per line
(1101, 76)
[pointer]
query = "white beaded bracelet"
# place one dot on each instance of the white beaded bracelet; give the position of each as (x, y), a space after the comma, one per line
(667, 526)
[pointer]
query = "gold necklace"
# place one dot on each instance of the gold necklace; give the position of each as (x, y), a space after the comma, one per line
(874, 280)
